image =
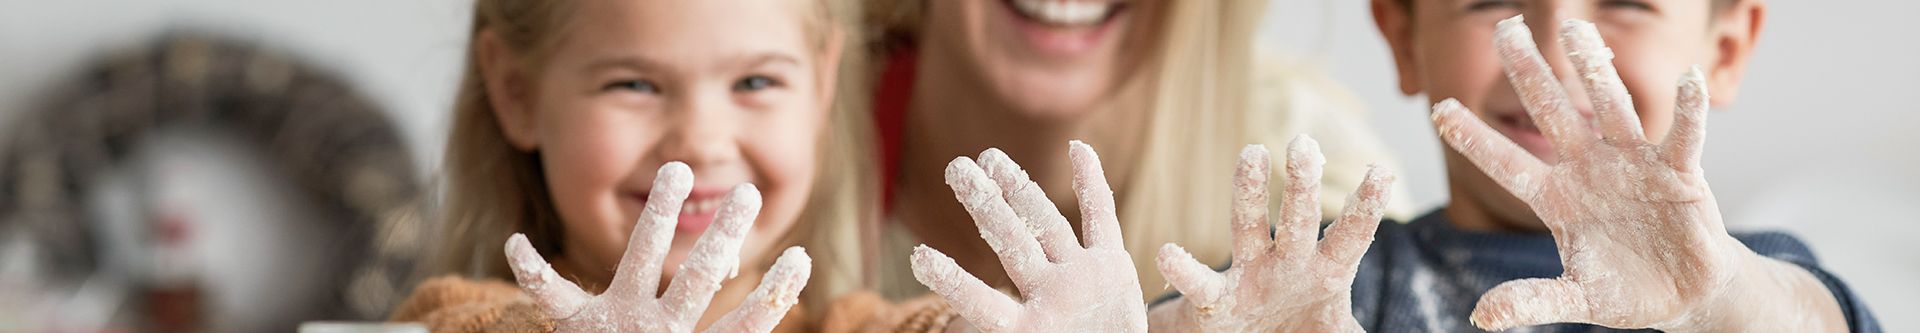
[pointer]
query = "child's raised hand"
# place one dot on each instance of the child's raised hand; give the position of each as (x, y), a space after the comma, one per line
(1638, 231)
(1286, 282)
(1067, 287)
(629, 303)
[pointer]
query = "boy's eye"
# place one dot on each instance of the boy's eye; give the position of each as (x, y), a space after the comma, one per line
(1485, 5)
(1626, 4)
(755, 83)
(640, 86)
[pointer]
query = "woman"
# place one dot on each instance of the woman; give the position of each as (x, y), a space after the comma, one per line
(1166, 90)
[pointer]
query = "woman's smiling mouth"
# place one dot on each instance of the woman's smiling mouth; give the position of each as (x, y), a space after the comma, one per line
(1063, 29)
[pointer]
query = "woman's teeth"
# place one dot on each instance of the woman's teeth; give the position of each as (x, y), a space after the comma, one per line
(693, 206)
(1064, 12)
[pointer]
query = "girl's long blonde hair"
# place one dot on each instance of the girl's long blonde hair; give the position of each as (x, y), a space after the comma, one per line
(1199, 83)
(494, 190)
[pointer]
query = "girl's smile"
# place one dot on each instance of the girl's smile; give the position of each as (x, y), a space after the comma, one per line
(696, 213)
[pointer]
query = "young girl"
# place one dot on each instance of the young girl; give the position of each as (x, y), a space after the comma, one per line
(567, 110)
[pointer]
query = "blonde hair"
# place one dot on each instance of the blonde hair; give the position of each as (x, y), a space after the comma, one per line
(495, 190)
(1203, 64)
(1199, 82)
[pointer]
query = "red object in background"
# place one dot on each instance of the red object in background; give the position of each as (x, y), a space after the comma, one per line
(892, 95)
(173, 296)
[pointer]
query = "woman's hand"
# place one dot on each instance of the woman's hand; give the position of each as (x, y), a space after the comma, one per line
(629, 303)
(1067, 287)
(1639, 233)
(1282, 279)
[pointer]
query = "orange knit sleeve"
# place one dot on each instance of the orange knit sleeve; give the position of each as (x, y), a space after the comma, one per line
(454, 304)
(867, 312)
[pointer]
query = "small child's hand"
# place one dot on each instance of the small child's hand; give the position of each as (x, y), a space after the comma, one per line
(1067, 287)
(1638, 231)
(629, 303)
(1287, 282)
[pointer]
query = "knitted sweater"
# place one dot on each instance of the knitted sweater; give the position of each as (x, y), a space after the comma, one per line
(455, 304)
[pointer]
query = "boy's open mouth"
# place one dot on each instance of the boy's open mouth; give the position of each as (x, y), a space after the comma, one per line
(1518, 122)
(1519, 127)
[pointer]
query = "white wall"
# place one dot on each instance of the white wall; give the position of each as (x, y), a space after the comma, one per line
(1824, 141)
(1821, 142)
(406, 54)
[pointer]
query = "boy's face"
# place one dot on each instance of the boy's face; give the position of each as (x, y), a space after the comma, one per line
(1444, 48)
(736, 89)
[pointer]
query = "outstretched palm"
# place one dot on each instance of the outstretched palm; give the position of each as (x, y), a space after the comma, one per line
(1067, 287)
(1288, 282)
(629, 303)
(1638, 231)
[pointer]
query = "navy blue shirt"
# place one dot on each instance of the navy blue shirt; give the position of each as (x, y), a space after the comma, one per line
(1426, 275)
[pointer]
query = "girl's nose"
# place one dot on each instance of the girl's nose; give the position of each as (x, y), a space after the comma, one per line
(703, 134)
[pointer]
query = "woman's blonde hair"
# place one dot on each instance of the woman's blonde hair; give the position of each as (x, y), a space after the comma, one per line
(1198, 83)
(494, 190)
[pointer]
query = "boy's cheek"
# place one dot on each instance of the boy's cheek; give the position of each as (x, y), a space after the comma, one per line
(1457, 62)
(1653, 103)
(1652, 78)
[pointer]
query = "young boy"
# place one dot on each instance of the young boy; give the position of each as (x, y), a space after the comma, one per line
(1574, 201)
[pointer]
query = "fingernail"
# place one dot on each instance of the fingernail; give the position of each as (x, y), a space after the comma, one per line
(1513, 29)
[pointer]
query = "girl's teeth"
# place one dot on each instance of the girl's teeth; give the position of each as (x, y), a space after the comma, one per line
(1064, 12)
(699, 206)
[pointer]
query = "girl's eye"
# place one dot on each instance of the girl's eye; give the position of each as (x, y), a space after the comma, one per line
(755, 83)
(1626, 4)
(1486, 5)
(640, 86)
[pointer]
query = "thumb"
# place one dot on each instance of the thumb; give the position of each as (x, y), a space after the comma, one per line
(1530, 302)
(1201, 285)
(557, 296)
(777, 293)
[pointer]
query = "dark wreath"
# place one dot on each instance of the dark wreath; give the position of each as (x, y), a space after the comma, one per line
(334, 143)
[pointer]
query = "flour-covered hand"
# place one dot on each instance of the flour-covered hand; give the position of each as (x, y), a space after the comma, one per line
(1639, 234)
(1286, 282)
(630, 303)
(1065, 286)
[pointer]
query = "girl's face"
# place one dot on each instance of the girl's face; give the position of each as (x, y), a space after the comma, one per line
(736, 89)
(1046, 57)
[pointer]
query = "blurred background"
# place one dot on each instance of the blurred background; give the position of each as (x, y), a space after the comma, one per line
(259, 161)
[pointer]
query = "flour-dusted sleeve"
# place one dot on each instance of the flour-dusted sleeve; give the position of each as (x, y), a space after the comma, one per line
(1785, 247)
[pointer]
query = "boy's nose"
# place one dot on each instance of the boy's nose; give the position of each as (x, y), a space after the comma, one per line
(1546, 34)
